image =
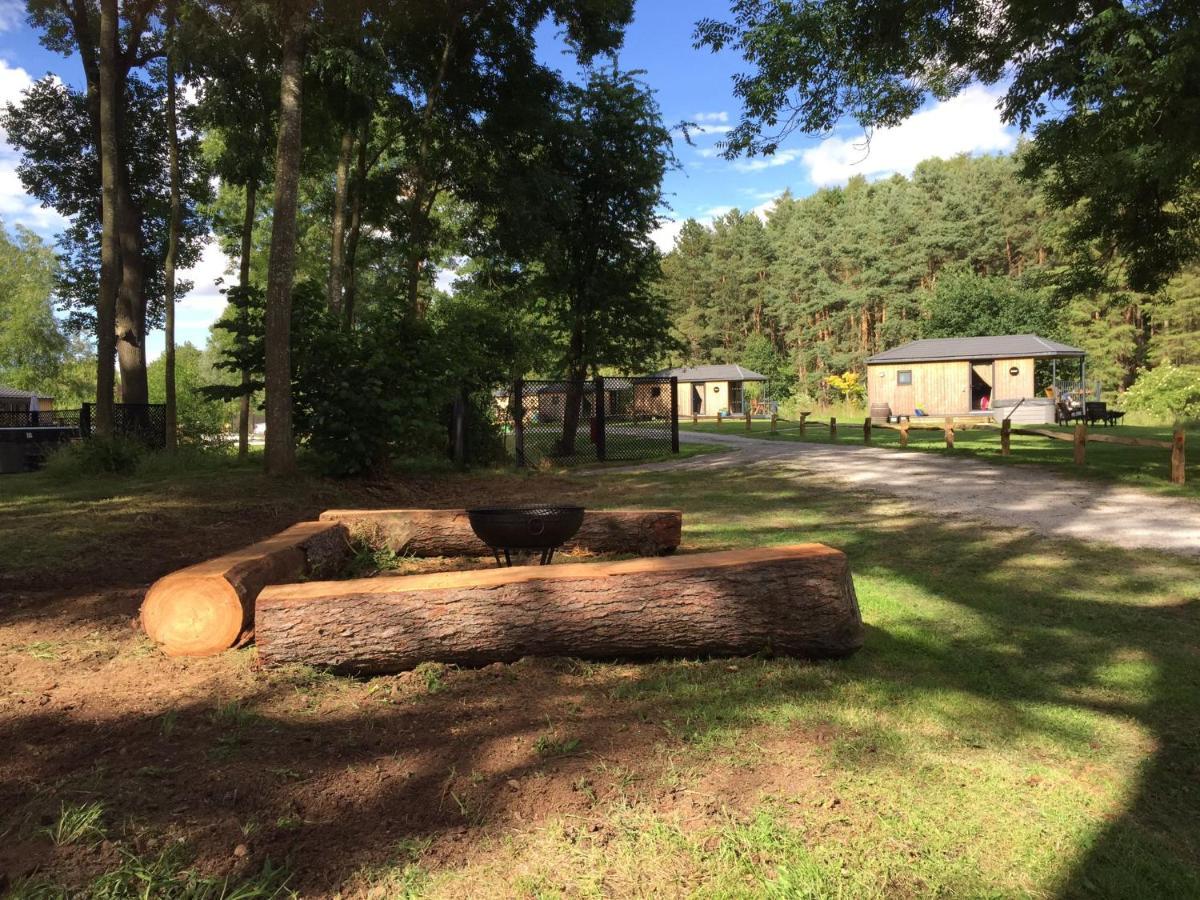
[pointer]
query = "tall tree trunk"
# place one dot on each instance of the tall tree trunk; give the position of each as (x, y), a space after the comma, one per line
(281, 448)
(337, 242)
(172, 231)
(244, 313)
(576, 370)
(356, 207)
(131, 297)
(106, 335)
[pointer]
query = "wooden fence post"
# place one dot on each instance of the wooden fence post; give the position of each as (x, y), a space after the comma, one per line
(1080, 444)
(747, 420)
(904, 433)
(695, 418)
(832, 427)
(803, 422)
(718, 418)
(1005, 437)
(1177, 457)
(948, 430)
(867, 430)
(774, 421)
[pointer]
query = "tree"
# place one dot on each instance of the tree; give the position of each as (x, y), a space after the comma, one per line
(58, 130)
(604, 169)
(964, 304)
(175, 223)
(1111, 92)
(281, 449)
(32, 346)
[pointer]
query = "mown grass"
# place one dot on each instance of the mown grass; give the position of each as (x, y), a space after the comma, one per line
(1147, 467)
(1023, 720)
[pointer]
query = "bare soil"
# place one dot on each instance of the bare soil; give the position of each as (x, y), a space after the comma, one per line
(329, 775)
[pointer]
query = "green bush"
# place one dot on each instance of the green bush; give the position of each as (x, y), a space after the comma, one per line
(96, 456)
(1167, 391)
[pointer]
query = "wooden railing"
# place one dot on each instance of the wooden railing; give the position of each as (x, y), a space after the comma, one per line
(949, 426)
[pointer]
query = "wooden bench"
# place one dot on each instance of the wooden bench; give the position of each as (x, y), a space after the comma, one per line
(796, 600)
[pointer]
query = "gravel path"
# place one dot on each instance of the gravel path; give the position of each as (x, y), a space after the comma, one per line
(1021, 496)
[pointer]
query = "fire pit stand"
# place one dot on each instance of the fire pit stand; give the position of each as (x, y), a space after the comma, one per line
(539, 527)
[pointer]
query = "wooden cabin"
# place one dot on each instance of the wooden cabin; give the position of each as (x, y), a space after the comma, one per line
(709, 390)
(961, 376)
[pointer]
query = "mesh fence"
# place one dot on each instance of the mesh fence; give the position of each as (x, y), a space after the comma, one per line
(142, 422)
(597, 420)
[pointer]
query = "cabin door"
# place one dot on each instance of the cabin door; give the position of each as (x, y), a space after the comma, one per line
(697, 401)
(983, 379)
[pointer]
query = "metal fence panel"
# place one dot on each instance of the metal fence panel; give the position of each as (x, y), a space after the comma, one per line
(142, 422)
(614, 419)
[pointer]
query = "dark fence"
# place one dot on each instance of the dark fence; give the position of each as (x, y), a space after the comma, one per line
(597, 420)
(142, 422)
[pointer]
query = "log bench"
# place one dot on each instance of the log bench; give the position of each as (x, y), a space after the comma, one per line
(796, 600)
(447, 532)
(207, 608)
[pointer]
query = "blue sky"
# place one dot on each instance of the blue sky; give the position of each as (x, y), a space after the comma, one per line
(690, 84)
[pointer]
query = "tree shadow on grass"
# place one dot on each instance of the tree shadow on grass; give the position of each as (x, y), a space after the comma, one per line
(335, 774)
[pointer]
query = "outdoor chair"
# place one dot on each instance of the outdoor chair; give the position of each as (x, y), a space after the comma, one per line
(1097, 411)
(1069, 412)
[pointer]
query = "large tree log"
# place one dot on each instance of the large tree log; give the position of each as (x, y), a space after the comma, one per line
(206, 608)
(794, 600)
(447, 532)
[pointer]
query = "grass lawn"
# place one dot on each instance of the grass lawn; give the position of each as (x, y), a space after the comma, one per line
(1146, 467)
(1024, 720)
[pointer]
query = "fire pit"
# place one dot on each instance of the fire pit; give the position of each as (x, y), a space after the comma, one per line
(537, 527)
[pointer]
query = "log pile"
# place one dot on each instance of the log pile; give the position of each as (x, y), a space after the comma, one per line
(447, 532)
(796, 600)
(209, 607)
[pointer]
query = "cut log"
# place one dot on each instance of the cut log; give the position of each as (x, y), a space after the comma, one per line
(447, 532)
(206, 608)
(796, 600)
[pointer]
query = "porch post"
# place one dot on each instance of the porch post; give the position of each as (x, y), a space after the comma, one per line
(674, 414)
(600, 412)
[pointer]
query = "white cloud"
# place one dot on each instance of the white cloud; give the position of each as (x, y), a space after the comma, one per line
(12, 12)
(711, 117)
(779, 158)
(664, 235)
(714, 212)
(968, 123)
(17, 207)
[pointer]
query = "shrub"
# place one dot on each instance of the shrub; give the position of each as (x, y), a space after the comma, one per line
(96, 456)
(1167, 391)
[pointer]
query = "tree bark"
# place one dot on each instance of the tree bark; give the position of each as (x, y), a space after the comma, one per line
(447, 532)
(244, 282)
(337, 241)
(356, 206)
(106, 303)
(172, 232)
(796, 600)
(281, 449)
(209, 607)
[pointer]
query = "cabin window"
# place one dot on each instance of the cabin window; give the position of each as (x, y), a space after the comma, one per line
(904, 376)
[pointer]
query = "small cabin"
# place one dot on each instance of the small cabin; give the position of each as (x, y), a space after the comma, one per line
(962, 376)
(709, 390)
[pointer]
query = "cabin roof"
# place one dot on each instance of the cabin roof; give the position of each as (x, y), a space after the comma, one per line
(728, 372)
(1003, 346)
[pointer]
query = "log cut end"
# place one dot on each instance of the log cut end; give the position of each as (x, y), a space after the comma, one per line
(206, 608)
(193, 614)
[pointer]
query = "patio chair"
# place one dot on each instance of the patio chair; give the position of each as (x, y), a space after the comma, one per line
(1068, 412)
(1096, 411)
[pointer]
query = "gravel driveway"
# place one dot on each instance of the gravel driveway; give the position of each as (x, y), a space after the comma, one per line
(1022, 496)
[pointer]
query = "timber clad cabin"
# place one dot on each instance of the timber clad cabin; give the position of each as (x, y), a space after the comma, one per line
(709, 390)
(961, 376)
